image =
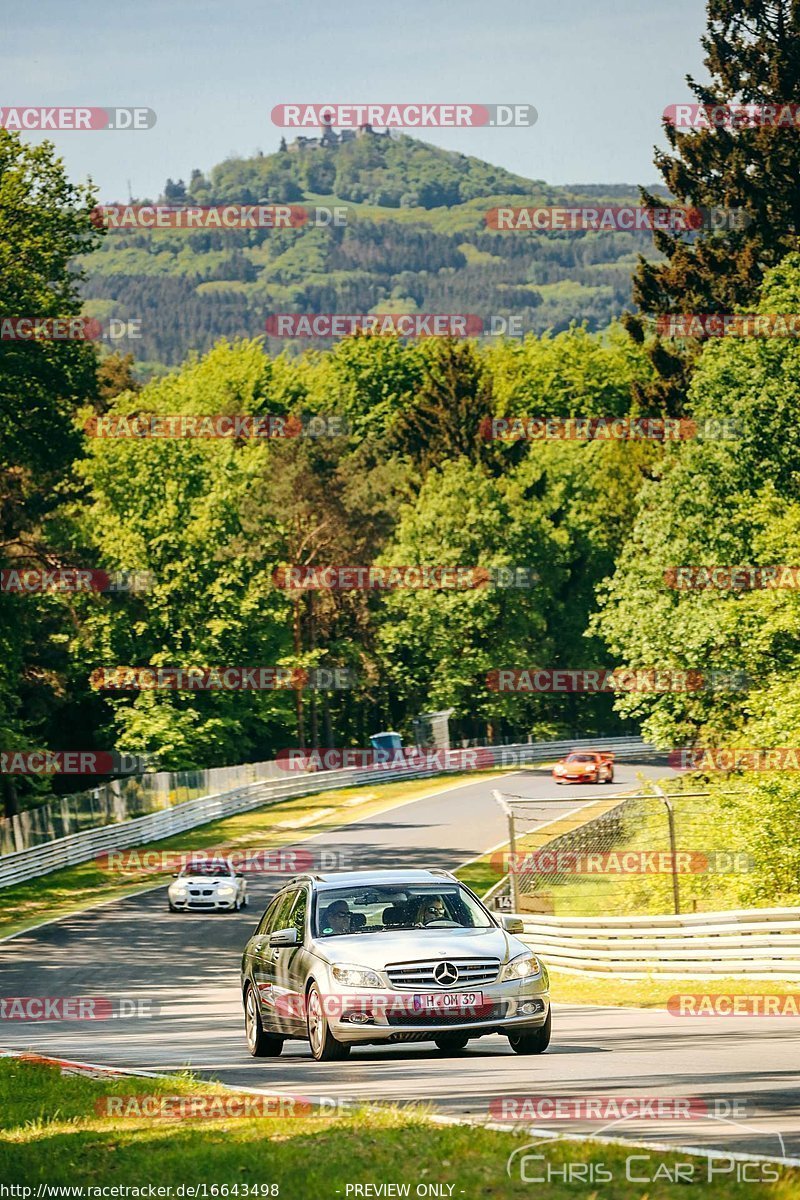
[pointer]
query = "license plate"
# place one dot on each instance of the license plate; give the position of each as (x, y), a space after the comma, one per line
(448, 1001)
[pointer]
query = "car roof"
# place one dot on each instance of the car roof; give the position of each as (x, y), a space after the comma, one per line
(333, 879)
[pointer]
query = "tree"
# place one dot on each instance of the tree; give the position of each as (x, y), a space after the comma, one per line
(753, 57)
(45, 223)
(438, 645)
(176, 507)
(115, 375)
(720, 502)
(175, 193)
(445, 417)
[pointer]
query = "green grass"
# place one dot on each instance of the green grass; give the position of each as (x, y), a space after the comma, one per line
(75, 888)
(653, 992)
(52, 1133)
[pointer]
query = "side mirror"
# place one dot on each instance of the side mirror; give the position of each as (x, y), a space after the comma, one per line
(512, 924)
(175, 874)
(283, 937)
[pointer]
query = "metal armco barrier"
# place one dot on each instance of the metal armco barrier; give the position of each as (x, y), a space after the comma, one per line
(754, 942)
(80, 847)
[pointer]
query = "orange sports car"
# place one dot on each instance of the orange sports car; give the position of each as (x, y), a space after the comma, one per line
(585, 766)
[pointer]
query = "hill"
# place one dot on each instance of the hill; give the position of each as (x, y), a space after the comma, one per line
(415, 241)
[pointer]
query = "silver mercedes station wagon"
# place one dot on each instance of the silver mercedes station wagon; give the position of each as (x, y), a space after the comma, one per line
(366, 957)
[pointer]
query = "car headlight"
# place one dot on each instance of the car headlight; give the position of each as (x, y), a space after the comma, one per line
(521, 967)
(178, 889)
(225, 890)
(354, 976)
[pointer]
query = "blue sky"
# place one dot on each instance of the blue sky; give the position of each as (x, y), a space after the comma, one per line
(599, 72)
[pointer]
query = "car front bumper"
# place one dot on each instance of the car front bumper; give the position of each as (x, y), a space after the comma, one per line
(204, 903)
(508, 1007)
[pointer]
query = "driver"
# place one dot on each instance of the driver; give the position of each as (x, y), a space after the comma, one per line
(431, 909)
(338, 917)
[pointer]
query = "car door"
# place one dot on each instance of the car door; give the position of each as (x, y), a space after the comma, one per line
(263, 962)
(289, 965)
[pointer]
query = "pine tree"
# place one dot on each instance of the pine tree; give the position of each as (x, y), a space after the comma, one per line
(753, 57)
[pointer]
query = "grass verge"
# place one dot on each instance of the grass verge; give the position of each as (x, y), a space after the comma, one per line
(652, 992)
(288, 823)
(53, 1131)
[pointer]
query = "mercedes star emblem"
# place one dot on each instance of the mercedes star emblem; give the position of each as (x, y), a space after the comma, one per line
(445, 973)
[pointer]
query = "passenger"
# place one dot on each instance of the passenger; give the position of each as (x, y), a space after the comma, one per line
(432, 909)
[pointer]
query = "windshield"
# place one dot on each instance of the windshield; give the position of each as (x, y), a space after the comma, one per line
(581, 758)
(360, 910)
(207, 868)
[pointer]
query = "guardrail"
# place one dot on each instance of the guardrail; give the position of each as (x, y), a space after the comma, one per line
(80, 847)
(754, 942)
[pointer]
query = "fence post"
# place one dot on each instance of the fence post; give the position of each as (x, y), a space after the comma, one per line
(512, 842)
(662, 795)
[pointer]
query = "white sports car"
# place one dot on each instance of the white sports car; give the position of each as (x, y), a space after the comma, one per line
(210, 886)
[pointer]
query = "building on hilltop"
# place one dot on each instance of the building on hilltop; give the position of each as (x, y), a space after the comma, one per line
(329, 138)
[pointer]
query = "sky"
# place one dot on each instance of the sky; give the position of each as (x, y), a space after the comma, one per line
(599, 73)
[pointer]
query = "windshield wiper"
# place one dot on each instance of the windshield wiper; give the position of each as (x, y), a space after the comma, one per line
(383, 928)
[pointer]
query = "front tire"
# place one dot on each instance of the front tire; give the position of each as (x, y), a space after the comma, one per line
(451, 1043)
(535, 1042)
(260, 1043)
(324, 1046)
